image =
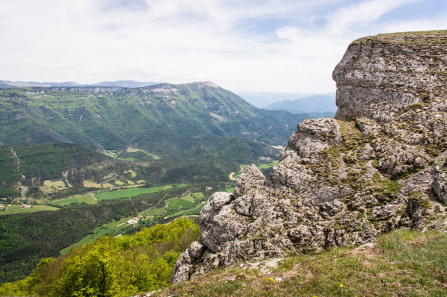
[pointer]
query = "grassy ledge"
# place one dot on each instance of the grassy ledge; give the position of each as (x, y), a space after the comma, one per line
(407, 38)
(402, 263)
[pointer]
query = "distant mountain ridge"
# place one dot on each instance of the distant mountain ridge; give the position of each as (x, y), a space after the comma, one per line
(264, 99)
(119, 83)
(314, 103)
(188, 121)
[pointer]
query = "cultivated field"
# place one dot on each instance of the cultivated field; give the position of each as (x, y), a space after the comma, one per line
(128, 193)
(88, 199)
(17, 208)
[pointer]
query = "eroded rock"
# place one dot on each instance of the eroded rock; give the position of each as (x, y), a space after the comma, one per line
(440, 183)
(376, 167)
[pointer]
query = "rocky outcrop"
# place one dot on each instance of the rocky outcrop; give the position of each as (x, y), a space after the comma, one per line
(379, 165)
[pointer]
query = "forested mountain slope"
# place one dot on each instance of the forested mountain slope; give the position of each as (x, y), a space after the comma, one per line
(193, 121)
(60, 167)
(44, 172)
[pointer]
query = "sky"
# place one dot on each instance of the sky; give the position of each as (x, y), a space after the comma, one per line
(242, 45)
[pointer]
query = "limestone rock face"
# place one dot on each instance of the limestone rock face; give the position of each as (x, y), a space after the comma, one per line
(379, 165)
(440, 183)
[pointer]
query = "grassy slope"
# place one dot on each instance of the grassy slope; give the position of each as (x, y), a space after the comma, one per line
(402, 263)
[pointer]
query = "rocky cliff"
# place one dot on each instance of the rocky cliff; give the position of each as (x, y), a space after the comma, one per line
(379, 165)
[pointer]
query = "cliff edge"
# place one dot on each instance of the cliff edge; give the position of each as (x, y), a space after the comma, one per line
(379, 165)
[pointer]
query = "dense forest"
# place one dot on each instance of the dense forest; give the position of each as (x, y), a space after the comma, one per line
(112, 266)
(27, 238)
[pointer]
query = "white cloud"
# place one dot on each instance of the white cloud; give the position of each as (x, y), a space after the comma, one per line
(361, 14)
(269, 45)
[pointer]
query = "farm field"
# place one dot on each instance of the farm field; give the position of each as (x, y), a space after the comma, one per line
(192, 211)
(184, 202)
(190, 204)
(88, 199)
(153, 212)
(128, 193)
(179, 203)
(17, 208)
(94, 198)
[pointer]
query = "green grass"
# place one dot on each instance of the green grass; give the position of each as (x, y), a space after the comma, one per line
(192, 211)
(193, 197)
(179, 203)
(17, 208)
(127, 193)
(88, 199)
(229, 190)
(267, 165)
(111, 153)
(189, 198)
(154, 212)
(402, 263)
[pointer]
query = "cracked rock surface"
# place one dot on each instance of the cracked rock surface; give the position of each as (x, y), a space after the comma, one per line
(379, 165)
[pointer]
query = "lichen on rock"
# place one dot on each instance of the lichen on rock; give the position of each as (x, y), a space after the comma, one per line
(379, 165)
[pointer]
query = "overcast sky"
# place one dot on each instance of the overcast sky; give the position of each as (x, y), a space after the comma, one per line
(242, 45)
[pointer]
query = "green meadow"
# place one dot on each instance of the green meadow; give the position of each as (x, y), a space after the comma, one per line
(128, 193)
(88, 199)
(17, 209)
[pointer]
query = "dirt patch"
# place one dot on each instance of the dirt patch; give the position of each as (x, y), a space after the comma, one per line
(52, 186)
(91, 184)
